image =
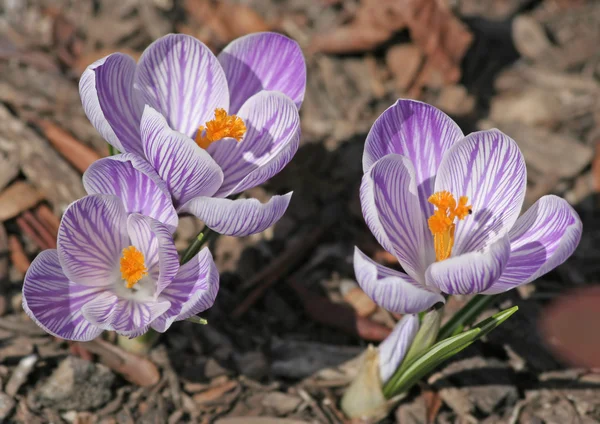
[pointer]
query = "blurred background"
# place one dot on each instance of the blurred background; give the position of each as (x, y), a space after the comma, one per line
(290, 318)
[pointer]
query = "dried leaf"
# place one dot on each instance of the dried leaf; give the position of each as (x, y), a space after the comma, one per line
(221, 21)
(17, 198)
(375, 21)
(441, 37)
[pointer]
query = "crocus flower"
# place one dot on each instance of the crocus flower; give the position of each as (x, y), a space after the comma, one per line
(447, 207)
(211, 127)
(114, 271)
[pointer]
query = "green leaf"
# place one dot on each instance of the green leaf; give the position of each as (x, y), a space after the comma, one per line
(425, 338)
(441, 351)
(466, 315)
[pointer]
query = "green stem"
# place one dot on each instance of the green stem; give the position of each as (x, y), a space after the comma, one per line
(201, 239)
(466, 315)
(112, 151)
(425, 338)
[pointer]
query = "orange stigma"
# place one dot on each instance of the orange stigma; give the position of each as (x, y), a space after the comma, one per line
(441, 223)
(133, 268)
(223, 126)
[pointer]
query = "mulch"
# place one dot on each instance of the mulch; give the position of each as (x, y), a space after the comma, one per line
(289, 324)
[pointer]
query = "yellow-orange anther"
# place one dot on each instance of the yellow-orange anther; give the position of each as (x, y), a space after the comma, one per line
(223, 126)
(441, 223)
(133, 268)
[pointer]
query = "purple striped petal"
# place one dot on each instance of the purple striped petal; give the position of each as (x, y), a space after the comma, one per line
(92, 234)
(54, 303)
(418, 131)
(472, 272)
(155, 241)
(393, 349)
(192, 291)
(130, 317)
(392, 290)
(263, 61)
(543, 238)
(240, 217)
(181, 78)
(110, 102)
(489, 168)
(188, 170)
(390, 205)
(133, 180)
(271, 140)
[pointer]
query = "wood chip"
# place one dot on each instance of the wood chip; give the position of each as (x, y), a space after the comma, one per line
(259, 420)
(214, 393)
(20, 374)
(546, 151)
(41, 164)
(77, 153)
(16, 198)
(135, 369)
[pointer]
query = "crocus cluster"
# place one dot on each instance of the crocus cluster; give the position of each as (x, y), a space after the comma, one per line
(447, 207)
(210, 126)
(192, 130)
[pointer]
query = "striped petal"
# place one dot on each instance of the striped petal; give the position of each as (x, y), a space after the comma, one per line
(271, 140)
(133, 180)
(54, 303)
(240, 217)
(489, 169)
(418, 131)
(263, 61)
(155, 241)
(181, 78)
(193, 290)
(110, 102)
(393, 349)
(543, 238)
(390, 205)
(129, 317)
(392, 290)
(472, 272)
(92, 234)
(187, 170)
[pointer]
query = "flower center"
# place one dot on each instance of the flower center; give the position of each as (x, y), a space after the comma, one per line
(133, 268)
(441, 223)
(222, 126)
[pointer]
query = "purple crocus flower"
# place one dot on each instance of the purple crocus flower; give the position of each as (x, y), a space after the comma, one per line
(115, 270)
(447, 207)
(211, 127)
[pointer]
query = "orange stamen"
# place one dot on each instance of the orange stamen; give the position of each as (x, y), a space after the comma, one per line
(223, 126)
(441, 223)
(133, 268)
